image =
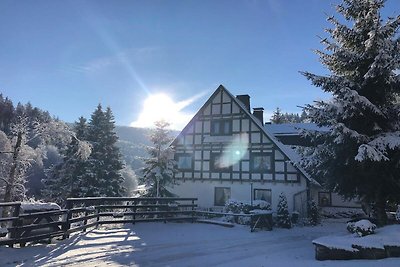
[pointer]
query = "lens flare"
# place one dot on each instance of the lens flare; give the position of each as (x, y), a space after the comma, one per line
(235, 151)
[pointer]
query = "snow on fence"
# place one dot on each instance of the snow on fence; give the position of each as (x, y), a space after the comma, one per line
(83, 213)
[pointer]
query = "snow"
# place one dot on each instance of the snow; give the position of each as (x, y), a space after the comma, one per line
(187, 244)
(3, 231)
(375, 150)
(336, 242)
(25, 206)
(398, 213)
(293, 128)
(258, 211)
(365, 225)
(386, 236)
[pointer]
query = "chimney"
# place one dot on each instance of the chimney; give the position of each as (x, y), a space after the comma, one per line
(245, 99)
(259, 114)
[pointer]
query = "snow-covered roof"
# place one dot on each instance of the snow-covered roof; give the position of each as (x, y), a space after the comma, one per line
(292, 128)
(286, 129)
(287, 150)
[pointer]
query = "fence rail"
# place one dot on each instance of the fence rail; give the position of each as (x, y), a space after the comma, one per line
(83, 213)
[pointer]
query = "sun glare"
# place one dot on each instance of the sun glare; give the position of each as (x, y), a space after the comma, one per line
(161, 107)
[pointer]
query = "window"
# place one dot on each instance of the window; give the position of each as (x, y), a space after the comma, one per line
(220, 163)
(222, 195)
(324, 199)
(260, 162)
(184, 161)
(263, 194)
(221, 127)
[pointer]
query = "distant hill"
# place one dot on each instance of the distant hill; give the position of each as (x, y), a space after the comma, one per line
(132, 143)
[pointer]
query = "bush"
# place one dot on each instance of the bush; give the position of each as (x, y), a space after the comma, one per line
(237, 207)
(361, 228)
(313, 214)
(283, 218)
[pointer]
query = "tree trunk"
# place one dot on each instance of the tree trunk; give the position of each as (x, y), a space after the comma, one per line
(8, 196)
(380, 208)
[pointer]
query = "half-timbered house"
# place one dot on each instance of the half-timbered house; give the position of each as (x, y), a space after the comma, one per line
(226, 152)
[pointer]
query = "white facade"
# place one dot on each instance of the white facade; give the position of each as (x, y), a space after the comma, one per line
(205, 192)
(225, 146)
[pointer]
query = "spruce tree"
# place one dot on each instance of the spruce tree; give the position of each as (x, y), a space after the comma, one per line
(67, 179)
(359, 156)
(81, 128)
(283, 218)
(103, 175)
(160, 165)
(277, 116)
(313, 213)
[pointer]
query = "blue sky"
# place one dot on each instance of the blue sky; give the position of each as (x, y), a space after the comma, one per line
(67, 56)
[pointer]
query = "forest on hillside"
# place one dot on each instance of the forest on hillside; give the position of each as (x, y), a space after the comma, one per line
(48, 145)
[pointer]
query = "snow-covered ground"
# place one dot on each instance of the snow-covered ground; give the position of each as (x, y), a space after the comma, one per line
(185, 244)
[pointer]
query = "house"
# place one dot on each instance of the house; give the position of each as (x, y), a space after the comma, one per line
(289, 134)
(226, 152)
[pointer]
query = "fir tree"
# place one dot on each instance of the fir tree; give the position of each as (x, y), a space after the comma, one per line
(277, 116)
(313, 213)
(283, 217)
(103, 176)
(81, 128)
(67, 179)
(7, 113)
(160, 166)
(359, 156)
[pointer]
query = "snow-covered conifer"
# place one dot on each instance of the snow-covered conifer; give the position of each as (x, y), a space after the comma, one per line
(65, 179)
(359, 155)
(313, 213)
(160, 165)
(103, 173)
(283, 218)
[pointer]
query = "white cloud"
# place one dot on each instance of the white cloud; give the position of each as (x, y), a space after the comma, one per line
(119, 58)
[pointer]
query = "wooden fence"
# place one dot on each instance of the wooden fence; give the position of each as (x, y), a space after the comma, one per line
(83, 213)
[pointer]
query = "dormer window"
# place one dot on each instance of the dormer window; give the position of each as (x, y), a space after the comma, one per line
(221, 127)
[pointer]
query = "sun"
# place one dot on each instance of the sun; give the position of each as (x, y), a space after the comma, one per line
(160, 106)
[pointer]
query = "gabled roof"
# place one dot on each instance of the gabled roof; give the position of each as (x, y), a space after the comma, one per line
(289, 153)
(293, 128)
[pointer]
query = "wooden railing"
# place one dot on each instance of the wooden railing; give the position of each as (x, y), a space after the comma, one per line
(83, 213)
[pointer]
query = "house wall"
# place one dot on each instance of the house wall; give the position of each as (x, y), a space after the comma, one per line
(335, 199)
(205, 191)
(246, 139)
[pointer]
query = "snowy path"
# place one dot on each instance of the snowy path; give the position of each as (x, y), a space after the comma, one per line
(184, 244)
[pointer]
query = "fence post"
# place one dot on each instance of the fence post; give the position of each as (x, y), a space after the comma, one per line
(163, 209)
(85, 221)
(15, 224)
(133, 209)
(67, 224)
(97, 208)
(192, 210)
